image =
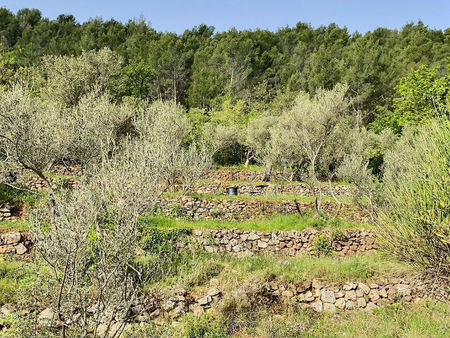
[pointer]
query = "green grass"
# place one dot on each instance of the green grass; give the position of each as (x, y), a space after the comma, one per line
(19, 225)
(268, 197)
(276, 222)
(234, 271)
(201, 269)
(206, 181)
(251, 167)
(14, 276)
(399, 320)
(9, 194)
(244, 320)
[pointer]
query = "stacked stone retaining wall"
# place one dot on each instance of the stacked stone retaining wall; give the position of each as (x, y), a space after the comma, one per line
(11, 211)
(240, 209)
(299, 189)
(288, 243)
(319, 296)
(14, 243)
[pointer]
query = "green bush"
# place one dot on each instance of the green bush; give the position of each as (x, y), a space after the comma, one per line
(322, 245)
(414, 211)
(162, 256)
(338, 235)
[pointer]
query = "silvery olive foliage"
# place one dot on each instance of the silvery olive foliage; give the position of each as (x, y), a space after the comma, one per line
(362, 146)
(91, 237)
(30, 131)
(66, 79)
(305, 131)
(88, 240)
(258, 138)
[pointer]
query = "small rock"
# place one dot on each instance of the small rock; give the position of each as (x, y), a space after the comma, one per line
(340, 303)
(253, 236)
(317, 306)
(317, 284)
(404, 289)
(287, 294)
(374, 286)
(11, 238)
(169, 305)
(361, 302)
(46, 317)
(349, 305)
(373, 295)
(262, 244)
(339, 294)
(350, 294)
(309, 296)
(349, 286)
(327, 296)
(6, 309)
(21, 249)
(213, 292)
(178, 311)
(364, 288)
(303, 287)
(370, 306)
(382, 293)
(205, 300)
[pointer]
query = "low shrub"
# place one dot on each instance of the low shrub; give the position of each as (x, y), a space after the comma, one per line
(322, 245)
(415, 208)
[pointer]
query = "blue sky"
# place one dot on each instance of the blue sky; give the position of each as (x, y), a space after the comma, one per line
(178, 15)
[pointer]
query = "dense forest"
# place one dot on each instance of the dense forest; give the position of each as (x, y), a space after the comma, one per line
(247, 70)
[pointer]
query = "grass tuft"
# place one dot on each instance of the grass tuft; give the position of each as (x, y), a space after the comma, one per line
(276, 222)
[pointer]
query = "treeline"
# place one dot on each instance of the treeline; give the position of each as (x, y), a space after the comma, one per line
(198, 66)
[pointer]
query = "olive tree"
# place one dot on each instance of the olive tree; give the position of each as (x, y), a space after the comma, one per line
(29, 131)
(90, 237)
(36, 133)
(258, 139)
(362, 147)
(66, 79)
(311, 124)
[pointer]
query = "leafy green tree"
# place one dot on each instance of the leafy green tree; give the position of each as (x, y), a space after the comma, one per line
(135, 79)
(169, 60)
(422, 96)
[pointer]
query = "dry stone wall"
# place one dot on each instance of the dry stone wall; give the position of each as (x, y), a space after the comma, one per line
(299, 189)
(32, 181)
(14, 243)
(318, 296)
(11, 211)
(239, 209)
(239, 175)
(246, 242)
(313, 295)
(287, 243)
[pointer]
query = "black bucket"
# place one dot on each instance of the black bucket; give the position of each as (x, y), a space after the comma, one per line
(232, 191)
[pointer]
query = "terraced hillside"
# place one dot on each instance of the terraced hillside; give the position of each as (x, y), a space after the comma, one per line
(259, 264)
